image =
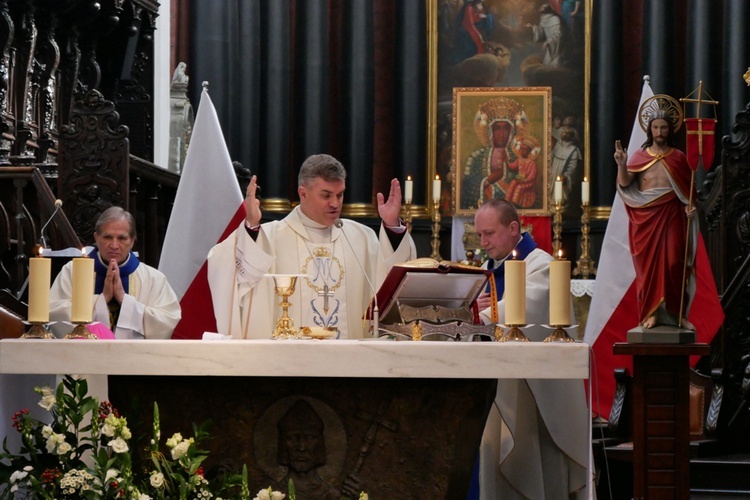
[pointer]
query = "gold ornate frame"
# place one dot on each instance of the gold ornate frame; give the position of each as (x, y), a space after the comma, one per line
(525, 110)
(439, 159)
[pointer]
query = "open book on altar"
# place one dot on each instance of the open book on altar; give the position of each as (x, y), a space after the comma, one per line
(429, 290)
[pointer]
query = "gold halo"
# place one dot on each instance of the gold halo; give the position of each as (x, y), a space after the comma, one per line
(664, 103)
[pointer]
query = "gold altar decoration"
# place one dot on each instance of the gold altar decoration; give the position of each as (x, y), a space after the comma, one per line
(284, 285)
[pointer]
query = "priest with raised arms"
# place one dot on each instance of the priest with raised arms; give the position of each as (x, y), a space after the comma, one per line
(313, 241)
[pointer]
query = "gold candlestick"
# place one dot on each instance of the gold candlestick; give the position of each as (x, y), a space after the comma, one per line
(585, 265)
(514, 334)
(37, 331)
(407, 215)
(436, 231)
(80, 331)
(559, 335)
(557, 227)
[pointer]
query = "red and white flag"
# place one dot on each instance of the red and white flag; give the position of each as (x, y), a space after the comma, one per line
(207, 208)
(614, 306)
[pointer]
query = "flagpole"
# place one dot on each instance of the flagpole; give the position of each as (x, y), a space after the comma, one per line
(687, 244)
(699, 101)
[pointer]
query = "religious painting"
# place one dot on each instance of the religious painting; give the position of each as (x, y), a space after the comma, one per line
(501, 148)
(511, 43)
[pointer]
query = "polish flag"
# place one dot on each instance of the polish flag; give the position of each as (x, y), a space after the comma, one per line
(614, 306)
(207, 208)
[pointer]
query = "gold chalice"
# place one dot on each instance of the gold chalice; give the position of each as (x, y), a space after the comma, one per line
(284, 285)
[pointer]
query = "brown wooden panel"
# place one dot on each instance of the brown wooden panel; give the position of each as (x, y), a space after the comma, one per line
(660, 379)
(660, 445)
(660, 412)
(660, 477)
(660, 461)
(660, 428)
(660, 396)
(661, 493)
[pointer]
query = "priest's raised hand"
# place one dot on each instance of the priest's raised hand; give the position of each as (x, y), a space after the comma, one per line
(253, 213)
(390, 208)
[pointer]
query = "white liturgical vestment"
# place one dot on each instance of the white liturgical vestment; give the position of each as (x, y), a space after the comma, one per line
(536, 439)
(333, 291)
(149, 310)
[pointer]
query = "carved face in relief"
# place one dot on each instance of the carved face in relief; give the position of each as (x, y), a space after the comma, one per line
(301, 438)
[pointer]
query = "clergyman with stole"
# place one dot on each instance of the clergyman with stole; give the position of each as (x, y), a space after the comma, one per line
(313, 241)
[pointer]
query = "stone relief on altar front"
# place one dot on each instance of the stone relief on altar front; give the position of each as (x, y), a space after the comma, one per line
(302, 439)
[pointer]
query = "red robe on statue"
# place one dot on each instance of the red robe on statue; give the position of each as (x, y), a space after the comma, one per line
(658, 230)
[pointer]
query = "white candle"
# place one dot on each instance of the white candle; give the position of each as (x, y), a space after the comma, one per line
(559, 292)
(408, 189)
(83, 290)
(436, 189)
(39, 280)
(558, 190)
(585, 191)
(515, 292)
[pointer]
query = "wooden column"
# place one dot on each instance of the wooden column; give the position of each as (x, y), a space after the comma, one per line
(661, 419)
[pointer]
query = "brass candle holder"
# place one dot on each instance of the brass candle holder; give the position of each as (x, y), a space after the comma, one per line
(284, 285)
(498, 333)
(560, 334)
(37, 331)
(514, 334)
(436, 231)
(585, 265)
(556, 227)
(80, 331)
(407, 215)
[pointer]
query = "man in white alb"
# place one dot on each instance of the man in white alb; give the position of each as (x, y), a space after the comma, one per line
(134, 300)
(309, 241)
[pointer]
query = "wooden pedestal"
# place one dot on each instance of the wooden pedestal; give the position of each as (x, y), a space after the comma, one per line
(661, 421)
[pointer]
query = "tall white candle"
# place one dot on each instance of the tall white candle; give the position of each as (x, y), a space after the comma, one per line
(83, 290)
(585, 191)
(515, 292)
(408, 189)
(39, 281)
(558, 190)
(436, 188)
(559, 292)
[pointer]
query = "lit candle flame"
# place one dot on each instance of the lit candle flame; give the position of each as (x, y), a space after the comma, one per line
(559, 254)
(513, 254)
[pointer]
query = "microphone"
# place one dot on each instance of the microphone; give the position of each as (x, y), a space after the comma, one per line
(58, 204)
(375, 311)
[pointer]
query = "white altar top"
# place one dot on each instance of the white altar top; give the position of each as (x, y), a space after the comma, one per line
(297, 358)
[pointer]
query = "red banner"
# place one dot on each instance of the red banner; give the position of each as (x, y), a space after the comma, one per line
(700, 142)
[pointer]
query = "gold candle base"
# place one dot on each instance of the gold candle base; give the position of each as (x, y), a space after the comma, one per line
(81, 332)
(559, 335)
(514, 334)
(37, 331)
(499, 333)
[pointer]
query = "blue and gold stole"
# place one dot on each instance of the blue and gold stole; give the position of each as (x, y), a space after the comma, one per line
(523, 249)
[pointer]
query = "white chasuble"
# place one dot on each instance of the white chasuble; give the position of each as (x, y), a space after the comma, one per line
(536, 439)
(245, 304)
